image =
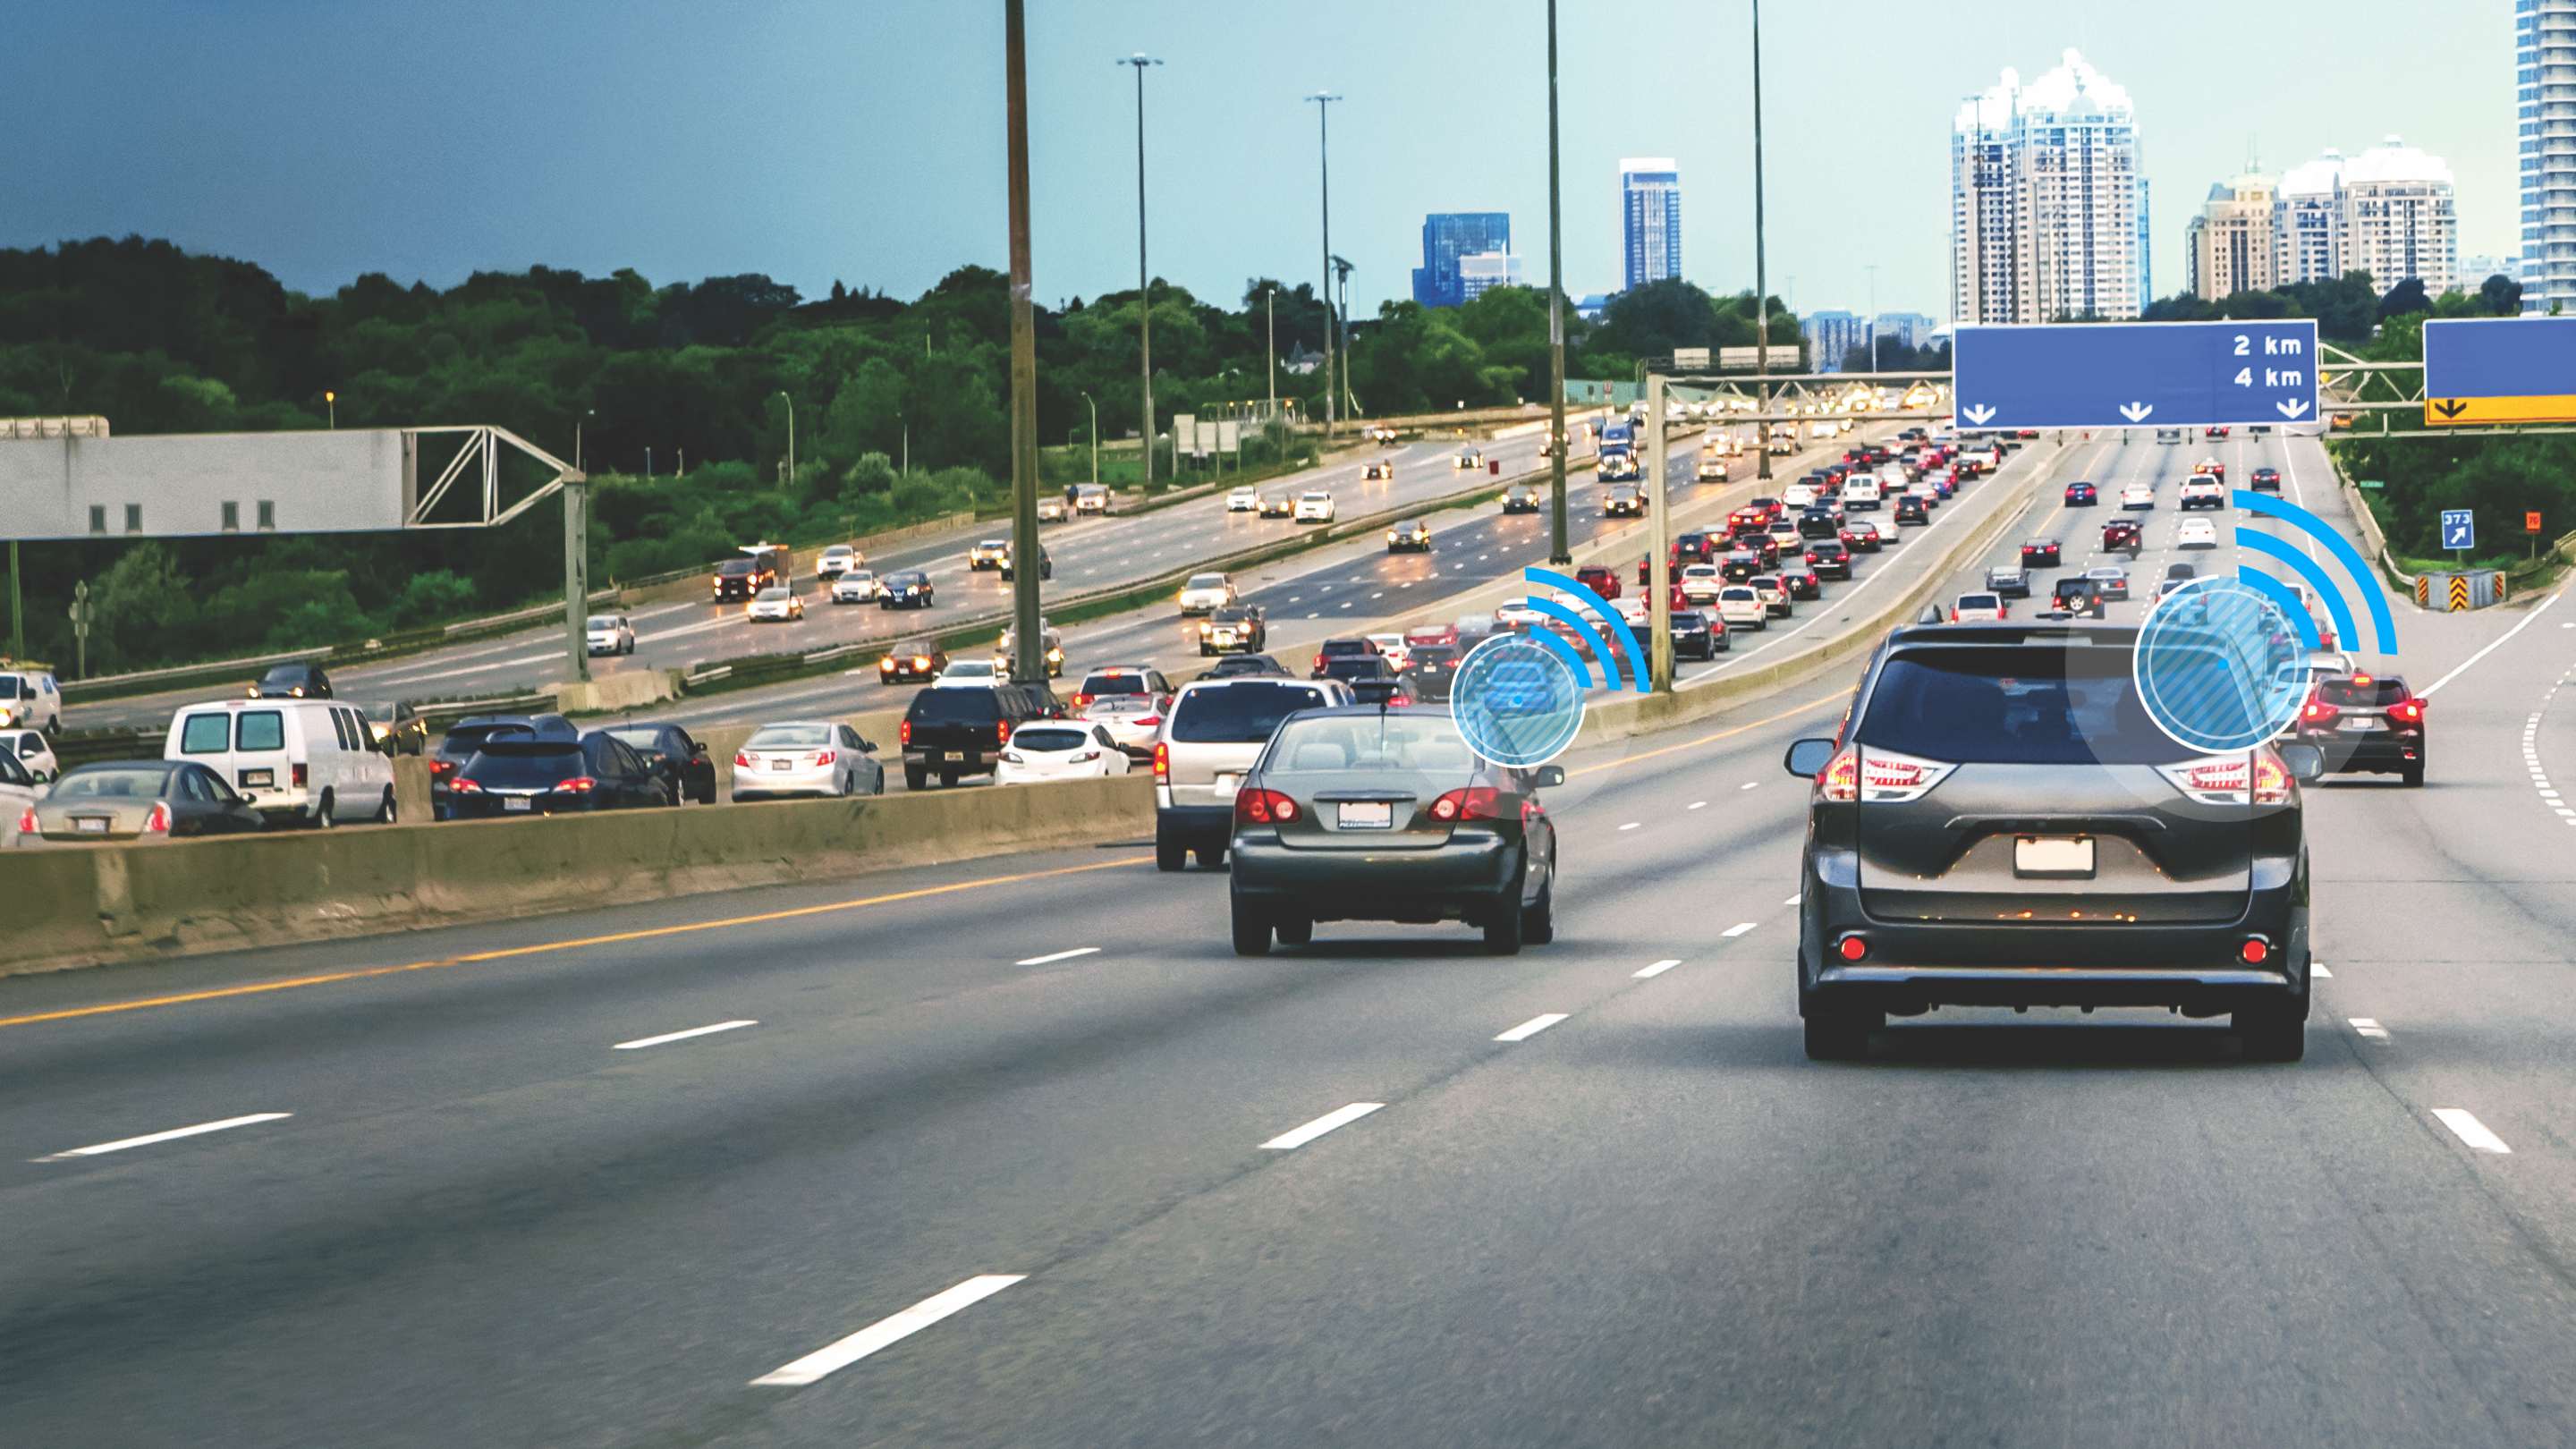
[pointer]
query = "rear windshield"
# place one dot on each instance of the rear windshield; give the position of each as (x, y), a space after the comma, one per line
(111, 784)
(1980, 601)
(1209, 581)
(527, 764)
(955, 706)
(1403, 744)
(602, 621)
(1055, 737)
(734, 568)
(2347, 693)
(465, 739)
(1100, 684)
(1332, 648)
(260, 729)
(2044, 706)
(1243, 713)
(789, 737)
(1356, 666)
(642, 739)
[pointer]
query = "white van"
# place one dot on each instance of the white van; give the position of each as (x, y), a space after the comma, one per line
(30, 699)
(301, 761)
(1860, 492)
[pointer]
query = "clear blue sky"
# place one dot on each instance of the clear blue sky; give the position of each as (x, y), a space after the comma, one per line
(862, 139)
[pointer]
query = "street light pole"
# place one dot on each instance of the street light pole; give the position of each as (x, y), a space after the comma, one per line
(1872, 269)
(1144, 284)
(1342, 269)
(1558, 552)
(1095, 438)
(1028, 643)
(1270, 318)
(586, 413)
(1761, 274)
(1324, 148)
(791, 437)
(331, 400)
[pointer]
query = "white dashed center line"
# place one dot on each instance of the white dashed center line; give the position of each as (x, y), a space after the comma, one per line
(642, 1042)
(1655, 970)
(1749, 784)
(1532, 1027)
(1793, 900)
(173, 1135)
(1738, 929)
(1296, 1137)
(1698, 805)
(833, 1357)
(2470, 1130)
(1631, 825)
(1055, 956)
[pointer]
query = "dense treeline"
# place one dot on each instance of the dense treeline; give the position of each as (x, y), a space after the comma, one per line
(898, 407)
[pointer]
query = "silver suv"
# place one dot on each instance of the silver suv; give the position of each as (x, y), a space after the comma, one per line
(1211, 736)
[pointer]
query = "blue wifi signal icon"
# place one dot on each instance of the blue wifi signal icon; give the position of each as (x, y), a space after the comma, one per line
(1618, 630)
(2319, 582)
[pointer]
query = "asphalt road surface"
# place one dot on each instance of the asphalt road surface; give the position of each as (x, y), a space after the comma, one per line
(1018, 1153)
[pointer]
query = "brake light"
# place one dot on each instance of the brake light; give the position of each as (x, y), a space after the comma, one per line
(903, 732)
(441, 767)
(825, 757)
(1263, 807)
(158, 821)
(1851, 948)
(2318, 712)
(1474, 802)
(2407, 711)
(1082, 701)
(742, 758)
(465, 786)
(577, 785)
(299, 775)
(1162, 763)
(1146, 721)
(1001, 732)
(2222, 779)
(2255, 951)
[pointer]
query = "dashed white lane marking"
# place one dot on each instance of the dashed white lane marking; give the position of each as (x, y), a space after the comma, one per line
(1373, 598)
(2369, 1027)
(1656, 969)
(1698, 805)
(642, 1042)
(2318, 970)
(1532, 1027)
(1346, 603)
(1296, 598)
(173, 1135)
(2470, 1130)
(1793, 900)
(1055, 956)
(833, 1357)
(1738, 929)
(1749, 784)
(1631, 825)
(1296, 1137)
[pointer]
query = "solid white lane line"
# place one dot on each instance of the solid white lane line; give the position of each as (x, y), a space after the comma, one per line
(1296, 1137)
(1532, 1027)
(2470, 1130)
(2369, 1027)
(1738, 929)
(833, 1357)
(2499, 642)
(1655, 970)
(173, 1135)
(1631, 825)
(671, 1036)
(1053, 957)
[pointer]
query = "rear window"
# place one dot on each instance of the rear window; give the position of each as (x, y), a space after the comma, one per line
(2352, 694)
(1055, 737)
(1417, 744)
(1981, 601)
(1105, 684)
(642, 739)
(260, 729)
(1336, 648)
(1357, 666)
(1242, 713)
(955, 706)
(465, 739)
(790, 737)
(2044, 706)
(1210, 581)
(113, 783)
(205, 734)
(527, 764)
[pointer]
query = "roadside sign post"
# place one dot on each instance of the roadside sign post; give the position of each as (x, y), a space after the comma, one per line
(2459, 532)
(17, 608)
(1659, 643)
(81, 613)
(2531, 532)
(2136, 374)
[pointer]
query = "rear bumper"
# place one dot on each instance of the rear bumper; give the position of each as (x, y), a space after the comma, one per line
(1195, 826)
(748, 785)
(2382, 752)
(936, 760)
(1458, 881)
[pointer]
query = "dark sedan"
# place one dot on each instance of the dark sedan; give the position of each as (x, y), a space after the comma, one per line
(1830, 557)
(519, 773)
(2081, 495)
(1247, 666)
(904, 589)
(293, 681)
(1359, 814)
(670, 752)
(2040, 553)
(139, 802)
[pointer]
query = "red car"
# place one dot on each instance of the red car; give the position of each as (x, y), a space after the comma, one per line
(1599, 580)
(1862, 536)
(2122, 535)
(2040, 553)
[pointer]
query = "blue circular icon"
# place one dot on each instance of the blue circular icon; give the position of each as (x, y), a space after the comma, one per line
(1519, 702)
(2219, 667)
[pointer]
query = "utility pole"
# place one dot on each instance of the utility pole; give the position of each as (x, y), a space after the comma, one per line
(1028, 642)
(1144, 283)
(1659, 575)
(1270, 318)
(1342, 271)
(1324, 148)
(81, 613)
(1761, 274)
(1558, 552)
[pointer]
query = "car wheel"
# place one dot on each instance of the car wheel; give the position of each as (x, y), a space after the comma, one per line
(2272, 1033)
(1251, 931)
(1538, 919)
(1295, 930)
(1211, 857)
(2414, 775)
(322, 813)
(1504, 928)
(1839, 1033)
(385, 812)
(1170, 855)
(915, 777)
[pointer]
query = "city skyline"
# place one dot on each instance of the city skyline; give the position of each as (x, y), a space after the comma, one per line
(761, 153)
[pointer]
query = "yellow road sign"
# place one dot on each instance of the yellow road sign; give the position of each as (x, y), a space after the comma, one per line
(2459, 593)
(2462, 411)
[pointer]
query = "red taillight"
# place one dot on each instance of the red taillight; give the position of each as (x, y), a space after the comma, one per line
(464, 786)
(1082, 701)
(577, 785)
(2318, 712)
(27, 822)
(825, 757)
(2222, 779)
(1954, 613)
(1260, 807)
(1001, 732)
(1162, 763)
(903, 733)
(1147, 721)
(2407, 711)
(1851, 948)
(742, 758)
(157, 822)
(299, 775)
(2255, 951)
(1319, 664)
(441, 767)
(1475, 802)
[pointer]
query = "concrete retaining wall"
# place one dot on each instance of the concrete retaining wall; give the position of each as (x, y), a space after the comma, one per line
(64, 906)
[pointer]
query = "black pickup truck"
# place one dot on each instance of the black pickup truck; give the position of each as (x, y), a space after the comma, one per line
(961, 730)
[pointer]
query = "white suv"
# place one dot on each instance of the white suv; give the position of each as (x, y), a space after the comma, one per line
(30, 699)
(1312, 507)
(2204, 491)
(1243, 500)
(1206, 593)
(1211, 735)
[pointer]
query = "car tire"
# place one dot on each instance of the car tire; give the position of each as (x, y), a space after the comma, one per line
(915, 777)
(1211, 857)
(1170, 855)
(1538, 919)
(1251, 931)
(2414, 776)
(1839, 1033)
(2272, 1033)
(1295, 930)
(323, 812)
(386, 812)
(1504, 928)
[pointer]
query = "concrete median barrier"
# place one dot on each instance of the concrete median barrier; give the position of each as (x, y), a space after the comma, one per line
(69, 906)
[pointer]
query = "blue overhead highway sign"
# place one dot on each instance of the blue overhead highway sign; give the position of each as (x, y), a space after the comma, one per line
(2459, 528)
(2500, 370)
(2136, 374)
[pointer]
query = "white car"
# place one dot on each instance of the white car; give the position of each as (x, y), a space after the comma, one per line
(1978, 608)
(1206, 593)
(858, 586)
(1060, 750)
(1518, 616)
(1243, 500)
(2138, 495)
(971, 674)
(2204, 491)
(1701, 583)
(806, 757)
(31, 698)
(611, 634)
(32, 752)
(1798, 495)
(1091, 498)
(1314, 506)
(1742, 608)
(1052, 509)
(777, 604)
(837, 560)
(1392, 647)
(1630, 609)
(2196, 533)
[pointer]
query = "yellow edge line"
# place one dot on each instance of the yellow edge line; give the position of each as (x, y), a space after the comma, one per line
(363, 973)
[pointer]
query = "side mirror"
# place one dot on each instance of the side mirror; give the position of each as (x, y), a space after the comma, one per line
(2306, 762)
(867, 747)
(1807, 758)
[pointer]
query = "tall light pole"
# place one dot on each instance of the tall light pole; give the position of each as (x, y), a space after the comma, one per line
(331, 400)
(1558, 552)
(1144, 285)
(791, 437)
(586, 414)
(1095, 437)
(1761, 274)
(1342, 271)
(1324, 148)
(1872, 269)
(1270, 318)
(1028, 646)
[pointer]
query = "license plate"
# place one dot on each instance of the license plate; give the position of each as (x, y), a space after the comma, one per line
(1364, 815)
(2359, 726)
(781, 764)
(952, 754)
(2056, 857)
(517, 803)
(259, 777)
(89, 825)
